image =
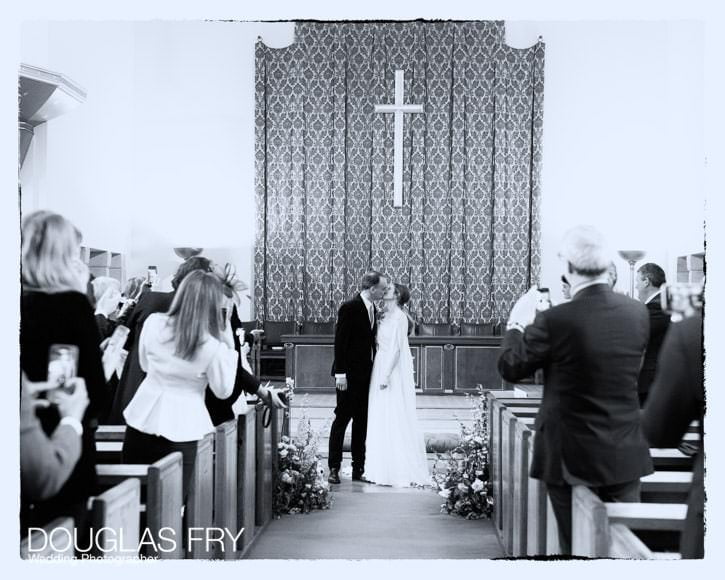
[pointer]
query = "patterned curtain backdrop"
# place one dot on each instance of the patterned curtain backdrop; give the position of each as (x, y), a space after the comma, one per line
(466, 240)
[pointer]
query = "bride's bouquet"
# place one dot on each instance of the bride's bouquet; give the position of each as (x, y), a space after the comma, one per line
(301, 485)
(463, 478)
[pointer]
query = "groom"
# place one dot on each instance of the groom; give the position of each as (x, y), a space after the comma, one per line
(354, 353)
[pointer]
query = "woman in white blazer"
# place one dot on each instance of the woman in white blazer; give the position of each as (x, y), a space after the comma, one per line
(182, 351)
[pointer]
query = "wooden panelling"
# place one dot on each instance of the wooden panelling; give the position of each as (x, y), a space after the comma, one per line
(441, 364)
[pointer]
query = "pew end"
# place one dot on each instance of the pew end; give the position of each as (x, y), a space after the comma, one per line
(117, 510)
(225, 487)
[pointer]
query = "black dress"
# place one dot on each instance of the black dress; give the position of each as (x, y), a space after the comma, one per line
(64, 318)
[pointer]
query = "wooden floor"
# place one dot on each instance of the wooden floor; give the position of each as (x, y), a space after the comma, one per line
(373, 522)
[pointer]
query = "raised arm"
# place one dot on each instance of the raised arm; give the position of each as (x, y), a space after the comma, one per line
(522, 353)
(222, 370)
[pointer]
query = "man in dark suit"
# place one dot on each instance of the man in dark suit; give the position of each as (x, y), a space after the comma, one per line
(132, 375)
(677, 397)
(354, 354)
(648, 283)
(588, 427)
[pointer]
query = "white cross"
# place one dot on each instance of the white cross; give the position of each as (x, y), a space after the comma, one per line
(399, 109)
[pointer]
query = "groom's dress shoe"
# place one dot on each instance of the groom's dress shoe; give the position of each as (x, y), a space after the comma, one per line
(334, 475)
(360, 477)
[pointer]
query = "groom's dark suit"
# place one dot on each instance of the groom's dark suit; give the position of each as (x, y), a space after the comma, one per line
(354, 352)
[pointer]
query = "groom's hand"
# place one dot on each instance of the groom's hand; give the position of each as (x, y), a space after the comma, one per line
(341, 383)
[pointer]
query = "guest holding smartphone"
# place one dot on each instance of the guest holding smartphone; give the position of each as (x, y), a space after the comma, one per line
(181, 352)
(54, 309)
(46, 461)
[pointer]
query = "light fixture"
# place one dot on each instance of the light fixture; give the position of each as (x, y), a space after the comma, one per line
(632, 256)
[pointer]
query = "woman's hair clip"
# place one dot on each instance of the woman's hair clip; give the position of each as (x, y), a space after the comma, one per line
(231, 284)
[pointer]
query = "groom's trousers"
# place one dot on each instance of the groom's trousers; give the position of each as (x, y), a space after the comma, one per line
(352, 404)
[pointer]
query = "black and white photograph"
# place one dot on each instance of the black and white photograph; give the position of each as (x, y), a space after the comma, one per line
(385, 285)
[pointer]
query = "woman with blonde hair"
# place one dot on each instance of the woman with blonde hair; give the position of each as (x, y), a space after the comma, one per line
(51, 254)
(181, 352)
(54, 310)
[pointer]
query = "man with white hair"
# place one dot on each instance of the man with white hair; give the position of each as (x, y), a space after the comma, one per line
(590, 348)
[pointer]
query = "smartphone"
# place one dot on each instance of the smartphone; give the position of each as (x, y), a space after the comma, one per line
(544, 300)
(152, 273)
(681, 300)
(62, 365)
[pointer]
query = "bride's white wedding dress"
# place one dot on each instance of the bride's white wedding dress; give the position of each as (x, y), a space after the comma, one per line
(395, 448)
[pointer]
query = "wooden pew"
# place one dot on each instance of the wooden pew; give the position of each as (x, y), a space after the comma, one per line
(263, 469)
(529, 527)
(108, 451)
(524, 517)
(666, 487)
(592, 521)
(496, 404)
(670, 460)
(200, 504)
(225, 488)
(55, 542)
(110, 432)
(162, 482)
(267, 439)
(114, 517)
(246, 476)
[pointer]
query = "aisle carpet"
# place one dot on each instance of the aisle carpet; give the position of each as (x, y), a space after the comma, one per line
(371, 522)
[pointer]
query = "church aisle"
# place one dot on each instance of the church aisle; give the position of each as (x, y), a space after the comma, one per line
(373, 522)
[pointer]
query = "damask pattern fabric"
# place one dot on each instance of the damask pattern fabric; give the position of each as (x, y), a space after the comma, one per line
(467, 238)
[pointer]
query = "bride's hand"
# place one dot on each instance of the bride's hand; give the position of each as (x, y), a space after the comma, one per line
(383, 386)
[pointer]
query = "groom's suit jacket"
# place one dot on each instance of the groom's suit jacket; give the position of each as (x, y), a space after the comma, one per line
(354, 342)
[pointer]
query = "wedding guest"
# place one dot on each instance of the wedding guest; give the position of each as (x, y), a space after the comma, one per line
(134, 287)
(588, 429)
(648, 285)
(677, 397)
(222, 410)
(46, 461)
(107, 295)
(101, 284)
(149, 303)
(132, 375)
(180, 352)
(54, 309)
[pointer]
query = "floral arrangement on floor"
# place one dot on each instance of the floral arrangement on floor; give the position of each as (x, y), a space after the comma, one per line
(462, 474)
(301, 485)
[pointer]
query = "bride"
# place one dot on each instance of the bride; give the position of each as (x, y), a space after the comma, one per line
(395, 447)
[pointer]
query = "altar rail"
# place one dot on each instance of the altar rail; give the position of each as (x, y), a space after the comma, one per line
(442, 364)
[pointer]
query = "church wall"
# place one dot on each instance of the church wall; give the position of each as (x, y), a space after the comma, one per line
(161, 154)
(623, 136)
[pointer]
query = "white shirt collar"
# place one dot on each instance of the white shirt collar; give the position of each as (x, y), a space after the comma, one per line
(579, 287)
(368, 303)
(653, 296)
